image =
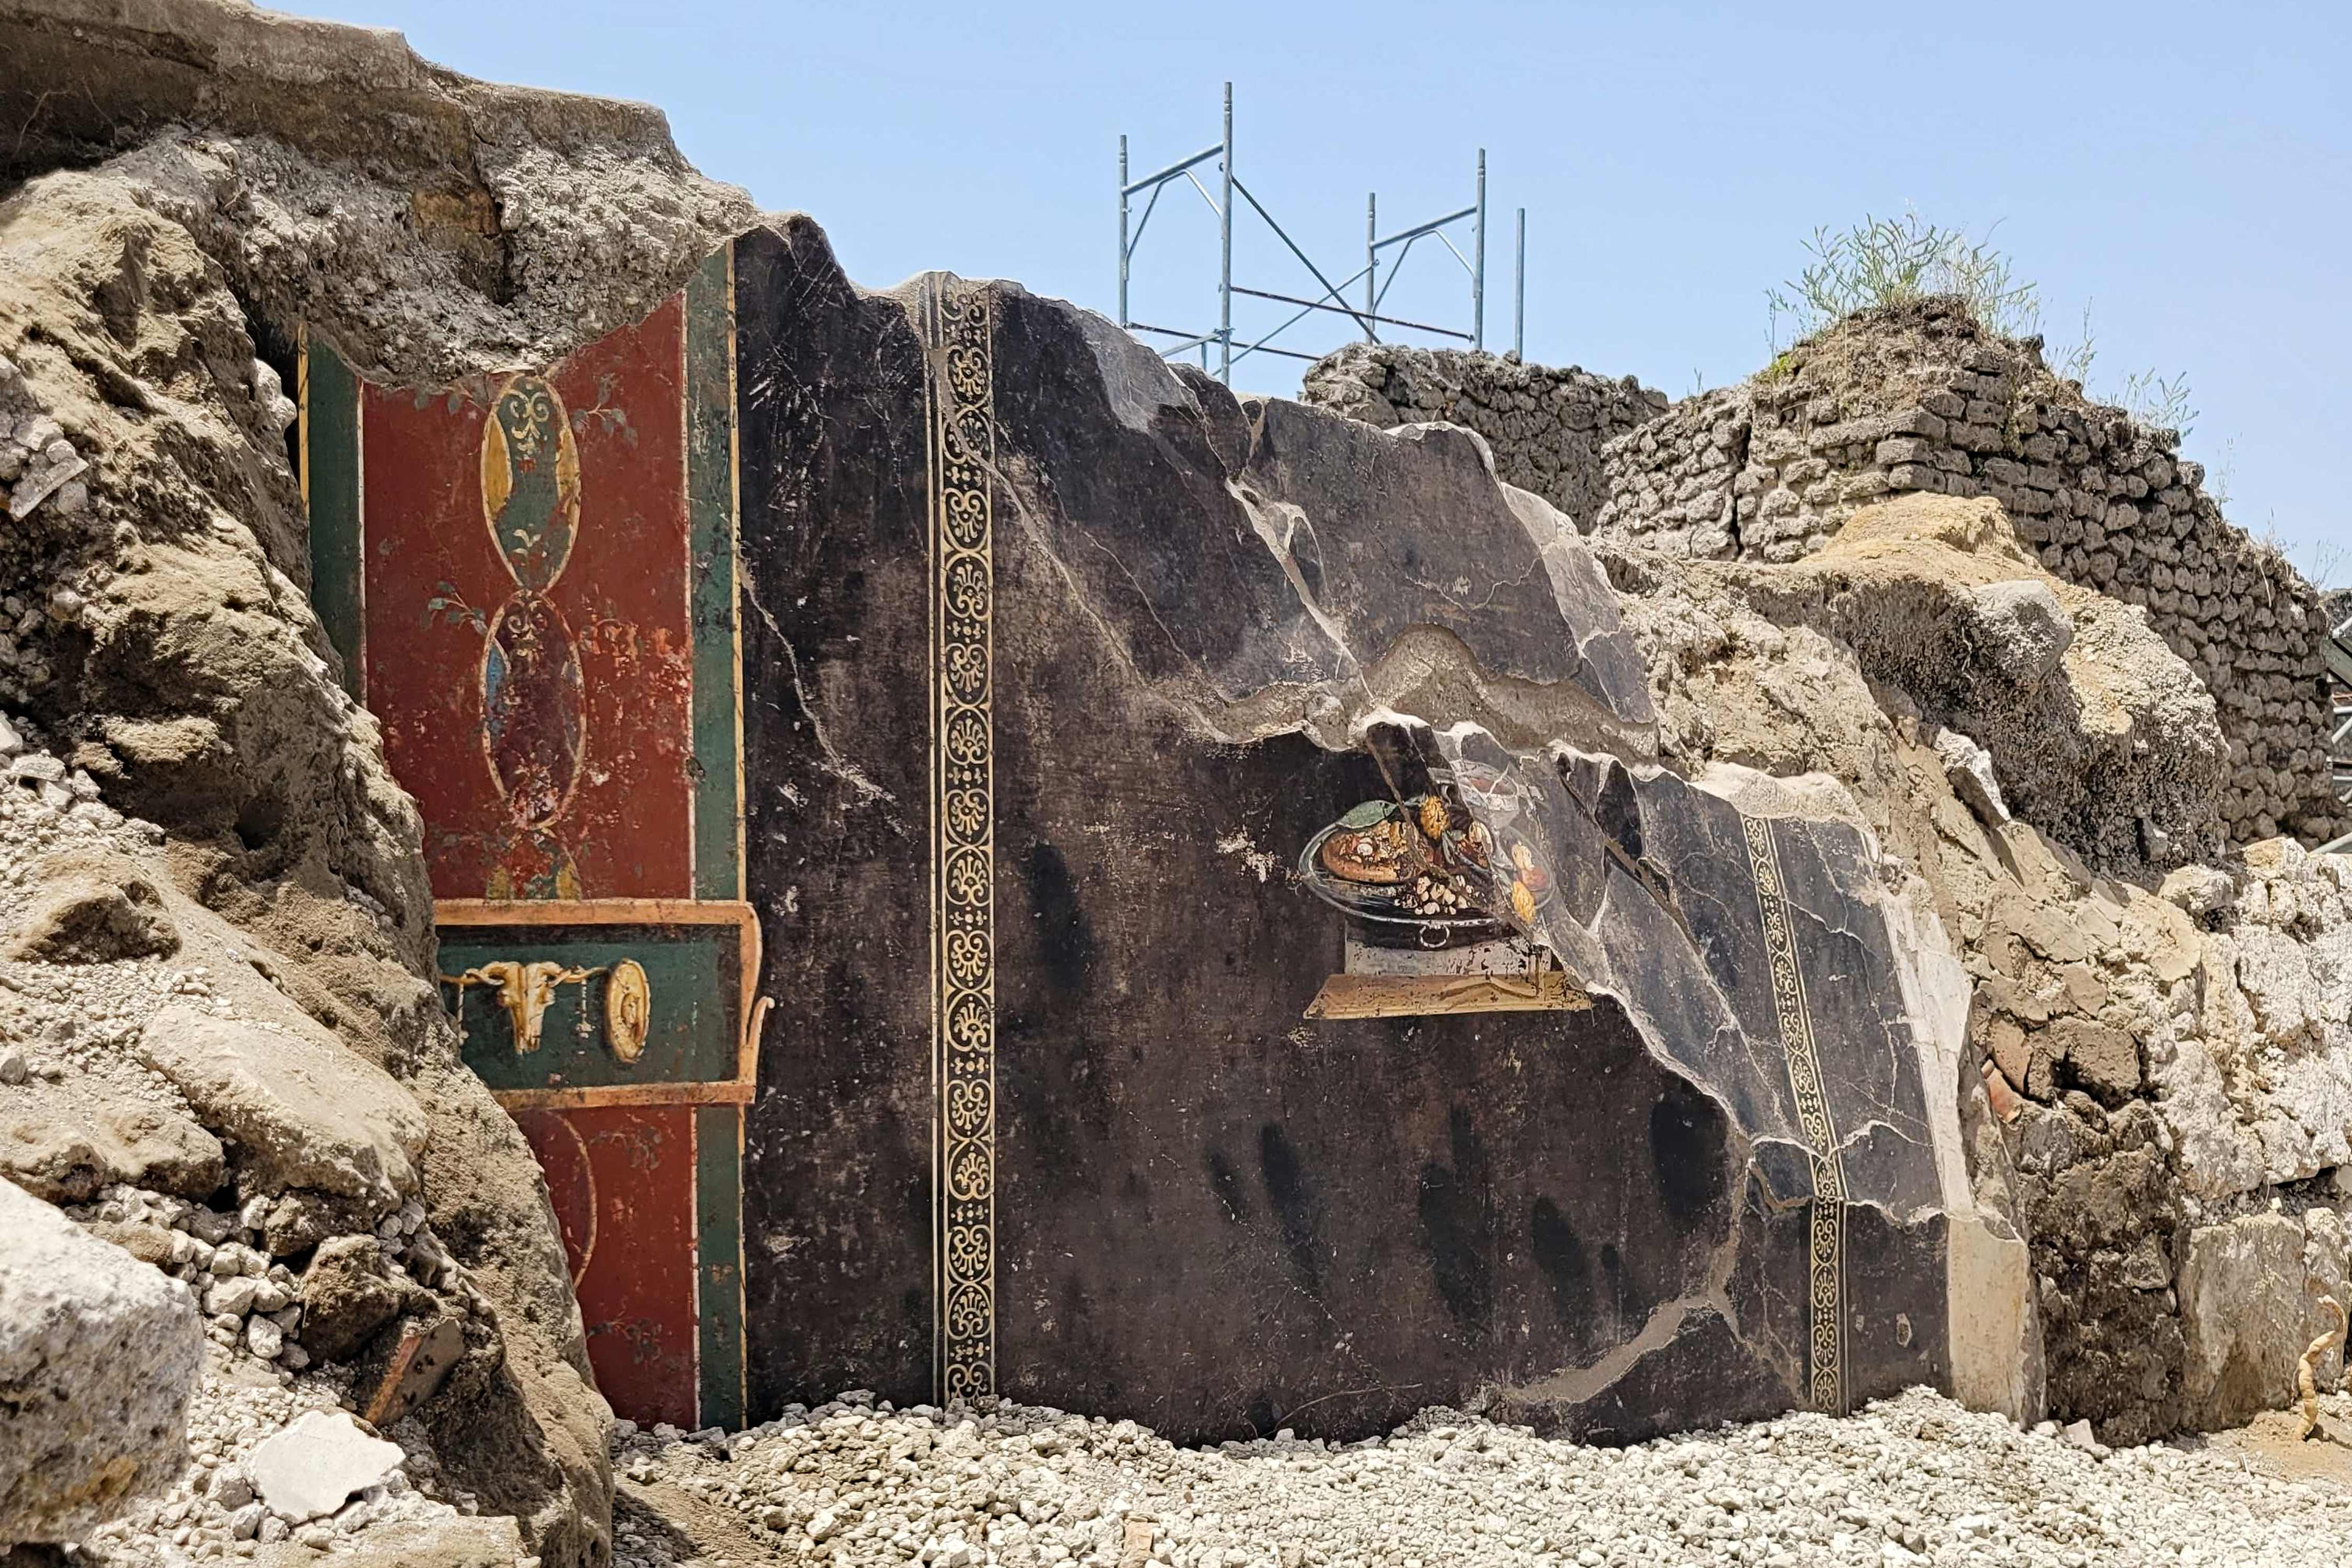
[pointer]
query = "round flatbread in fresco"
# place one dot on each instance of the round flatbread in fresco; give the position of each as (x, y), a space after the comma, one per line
(1378, 853)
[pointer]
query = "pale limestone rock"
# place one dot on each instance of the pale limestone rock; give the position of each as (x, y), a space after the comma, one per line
(1996, 1347)
(1967, 768)
(2272, 857)
(2214, 1153)
(2198, 889)
(2242, 1310)
(2275, 972)
(2315, 1093)
(2226, 1016)
(2328, 1269)
(233, 1296)
(303, 1112)
(62, 1142)
(2161, 935)
(442, 1542)
(312, 1467)
(98, 1354)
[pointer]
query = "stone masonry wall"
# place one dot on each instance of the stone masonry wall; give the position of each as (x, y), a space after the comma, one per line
(1674, 485)
(2174, 1075)
(1920, 398)
(1545, 426)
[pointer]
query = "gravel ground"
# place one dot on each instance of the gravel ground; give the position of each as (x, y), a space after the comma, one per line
(212, 1512)
(1912, 1479)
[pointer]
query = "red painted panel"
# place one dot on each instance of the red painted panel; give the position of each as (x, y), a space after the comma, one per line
(622, 1180)
(526, 620)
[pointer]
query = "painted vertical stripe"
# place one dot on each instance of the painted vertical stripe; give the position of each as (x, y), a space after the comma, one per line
(710, 524)
(962, 434)
(1825, 1381)
(735, 511)
(329, 405)
(718, 1262)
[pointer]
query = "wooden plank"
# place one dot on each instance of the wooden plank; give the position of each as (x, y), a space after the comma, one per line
(1416, 995)
(2338, 655)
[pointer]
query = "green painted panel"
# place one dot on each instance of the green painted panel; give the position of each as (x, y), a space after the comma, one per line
(718, 1261)
(331, 477)
(693, 1025)
(710, 515)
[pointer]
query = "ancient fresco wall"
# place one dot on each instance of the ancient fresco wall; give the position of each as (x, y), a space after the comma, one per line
(1058, 661)
(557, 654)
(1101, 1075)
(531, 579)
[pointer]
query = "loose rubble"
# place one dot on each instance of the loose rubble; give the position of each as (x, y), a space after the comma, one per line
(2164, 1077)
(1916, 1479)
(217, 999)
(126, 1046)
(257, 1475)
(2165, 1057)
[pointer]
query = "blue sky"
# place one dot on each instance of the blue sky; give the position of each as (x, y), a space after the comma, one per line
(2183, 169)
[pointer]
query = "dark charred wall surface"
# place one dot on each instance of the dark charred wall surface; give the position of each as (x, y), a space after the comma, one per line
(1210, 1211)
(837, 1150)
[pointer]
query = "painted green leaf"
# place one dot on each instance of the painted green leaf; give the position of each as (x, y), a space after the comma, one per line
(1368, 813)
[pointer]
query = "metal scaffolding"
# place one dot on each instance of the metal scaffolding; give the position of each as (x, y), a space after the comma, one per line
(1333, 300)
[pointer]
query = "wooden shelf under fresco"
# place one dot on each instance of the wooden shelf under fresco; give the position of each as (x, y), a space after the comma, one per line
(1412, 995)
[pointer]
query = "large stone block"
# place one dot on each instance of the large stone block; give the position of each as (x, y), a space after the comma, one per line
(58, 1144)
(2243, 1308)
(98, 1354)
(303, 1112)
(1996, 1338)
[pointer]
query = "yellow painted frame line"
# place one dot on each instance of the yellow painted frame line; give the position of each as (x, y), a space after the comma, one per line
(730, 1094)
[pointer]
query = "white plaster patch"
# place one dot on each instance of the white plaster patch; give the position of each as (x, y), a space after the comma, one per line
(1261, 862)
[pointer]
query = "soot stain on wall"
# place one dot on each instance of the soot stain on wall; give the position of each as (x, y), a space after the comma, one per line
(1294, 1205)
(1066, 941)
(1686, 1142)
(1457, 1228)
